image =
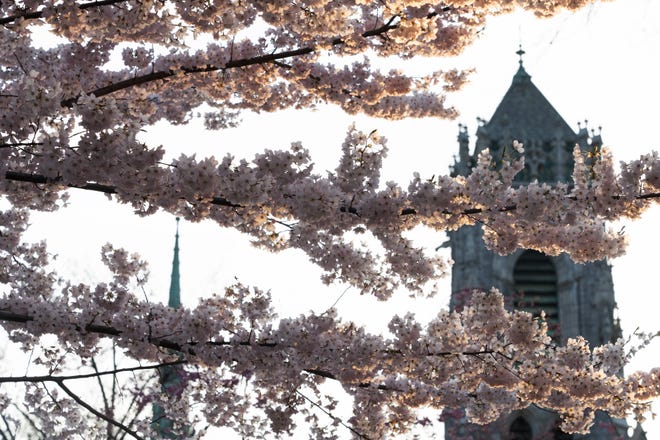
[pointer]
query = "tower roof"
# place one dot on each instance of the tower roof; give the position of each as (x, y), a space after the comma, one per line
(525, 114)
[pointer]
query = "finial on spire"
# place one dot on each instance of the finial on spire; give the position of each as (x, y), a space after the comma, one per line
(520, 52)
(521, 76)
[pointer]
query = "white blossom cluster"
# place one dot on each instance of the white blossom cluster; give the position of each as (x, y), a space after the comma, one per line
(262, 56)
(484, 358)
(323, 214)
(176, 57)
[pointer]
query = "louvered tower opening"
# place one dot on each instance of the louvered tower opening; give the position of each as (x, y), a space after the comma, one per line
(535, 288)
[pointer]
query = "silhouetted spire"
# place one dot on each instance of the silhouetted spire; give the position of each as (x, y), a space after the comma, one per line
(175, 287)
(171, 376)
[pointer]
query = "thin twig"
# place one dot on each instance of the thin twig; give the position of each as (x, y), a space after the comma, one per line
(32, 423)
(51, 378)
(9, 432)
(98, 414)
(333, 417)
(4, 437)
(280, 222)
(336, 301)
(115, 383)
(106, 404)
(137, 397)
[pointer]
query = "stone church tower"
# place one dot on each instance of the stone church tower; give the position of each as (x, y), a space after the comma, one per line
(578, 299)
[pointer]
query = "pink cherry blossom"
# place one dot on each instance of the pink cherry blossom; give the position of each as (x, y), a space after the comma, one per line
(72, 115)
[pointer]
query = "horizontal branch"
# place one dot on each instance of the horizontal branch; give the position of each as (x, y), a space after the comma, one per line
(164, 74)
(655, 195)
(108, 331)
(20, 144)
(472, 211)
(221, 201)
(18, 176)
(39, 14)
(51, 378)
(233, 64)
(104, 330)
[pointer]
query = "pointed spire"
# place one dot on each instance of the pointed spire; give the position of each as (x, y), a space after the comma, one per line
(175, 287)
(172, 379)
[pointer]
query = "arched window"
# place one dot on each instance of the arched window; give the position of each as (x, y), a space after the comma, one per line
(520, 430)
(535, 288)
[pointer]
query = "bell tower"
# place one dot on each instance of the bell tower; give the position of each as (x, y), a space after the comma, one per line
(578, 299)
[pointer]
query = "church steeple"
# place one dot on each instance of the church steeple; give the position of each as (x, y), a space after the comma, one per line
(577, 299)
(175, 286)
(171, 376)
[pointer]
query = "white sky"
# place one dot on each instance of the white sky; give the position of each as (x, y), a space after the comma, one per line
(600, 64)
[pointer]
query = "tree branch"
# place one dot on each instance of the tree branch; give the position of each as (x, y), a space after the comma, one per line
(9, 431)
(89, 186)
(221, 201)
(59, 380)
(233, 64)
(333, 417)
(135, 401)
(108, 331)
(51, 378)
(19, 144)
(189, 349)
(31, 422)
(106, 404)
(39, 14)
(98, 414)
(164, 74)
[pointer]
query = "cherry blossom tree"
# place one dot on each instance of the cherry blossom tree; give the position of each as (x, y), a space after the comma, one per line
(81, 81)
